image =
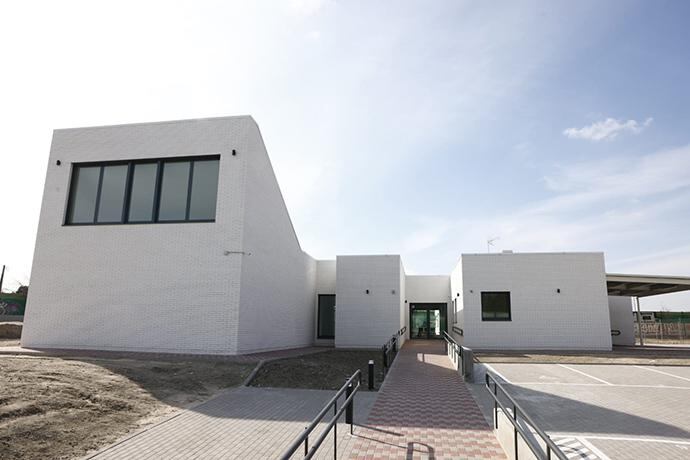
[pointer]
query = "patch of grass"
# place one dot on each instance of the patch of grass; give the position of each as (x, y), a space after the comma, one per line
(327, 370)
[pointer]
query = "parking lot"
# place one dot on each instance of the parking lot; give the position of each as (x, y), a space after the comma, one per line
(605, 411)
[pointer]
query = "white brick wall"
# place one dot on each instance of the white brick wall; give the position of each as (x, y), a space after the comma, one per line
(575, 318)
(428, 289)
(170, 287)
(325, 284)
(620, 313)
(404, 310)
(278, 279)
(456, 295)
(361, 319)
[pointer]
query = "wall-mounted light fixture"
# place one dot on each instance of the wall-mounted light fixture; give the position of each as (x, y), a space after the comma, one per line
(58, 162)
(457, 294)
(367, 291)
(471, 291)
(234, 152)
(405, 300)
(558, 290)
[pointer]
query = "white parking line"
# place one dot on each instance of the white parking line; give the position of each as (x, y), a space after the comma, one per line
(622, 385)
(595, 451)
(662, 372)
(623, 438)
(585, 374)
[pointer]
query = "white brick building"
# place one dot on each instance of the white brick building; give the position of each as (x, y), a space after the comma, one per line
(174, 237)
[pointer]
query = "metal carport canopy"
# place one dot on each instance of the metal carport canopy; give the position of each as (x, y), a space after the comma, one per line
(645, 285)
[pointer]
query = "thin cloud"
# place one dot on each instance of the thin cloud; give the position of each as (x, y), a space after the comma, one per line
(607, 130)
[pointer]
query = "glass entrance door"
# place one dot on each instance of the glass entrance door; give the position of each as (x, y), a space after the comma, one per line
(419, 324)
(427, 320)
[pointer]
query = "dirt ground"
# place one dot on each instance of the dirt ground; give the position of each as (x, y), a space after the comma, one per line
(327, 370)
(62, 408)
(620, 355)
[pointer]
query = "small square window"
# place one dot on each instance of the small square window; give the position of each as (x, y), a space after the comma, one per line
(496, 306)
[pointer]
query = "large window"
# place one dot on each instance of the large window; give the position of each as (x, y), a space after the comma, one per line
(495, 306)
(124, 192)
(326, 316)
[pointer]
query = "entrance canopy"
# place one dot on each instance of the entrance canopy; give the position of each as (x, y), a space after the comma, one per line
(645, 285)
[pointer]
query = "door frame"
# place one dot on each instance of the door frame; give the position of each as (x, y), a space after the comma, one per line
(429, 306)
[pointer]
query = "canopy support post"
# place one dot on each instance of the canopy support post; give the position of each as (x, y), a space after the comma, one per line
(639, 320)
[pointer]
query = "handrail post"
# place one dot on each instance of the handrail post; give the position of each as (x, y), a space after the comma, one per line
(496, 405)
(515, 431)
(348, 412)
(335, 431)
(371, 374)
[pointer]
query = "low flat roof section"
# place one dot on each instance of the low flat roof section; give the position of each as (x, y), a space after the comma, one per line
(645, 285)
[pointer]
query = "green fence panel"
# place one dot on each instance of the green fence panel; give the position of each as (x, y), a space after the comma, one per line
(12, 304)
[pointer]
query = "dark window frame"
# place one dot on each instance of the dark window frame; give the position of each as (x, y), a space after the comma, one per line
(318, 318)
(510, 308)
(124, 220)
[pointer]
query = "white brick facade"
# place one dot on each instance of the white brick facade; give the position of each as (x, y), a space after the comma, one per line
(171, 287)
(367, 319)
(622, 320)
(243, 284)
(577, 317)
(325, 284)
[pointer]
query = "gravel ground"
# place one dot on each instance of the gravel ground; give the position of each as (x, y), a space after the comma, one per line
(62, 408)
(322, 371)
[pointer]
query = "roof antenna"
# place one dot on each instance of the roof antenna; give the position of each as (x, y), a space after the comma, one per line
(490, 242)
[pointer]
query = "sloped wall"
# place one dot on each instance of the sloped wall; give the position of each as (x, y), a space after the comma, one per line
(278, 278)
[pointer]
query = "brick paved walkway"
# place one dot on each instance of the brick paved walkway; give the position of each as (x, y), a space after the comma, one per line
(425, 411)
(244, 423)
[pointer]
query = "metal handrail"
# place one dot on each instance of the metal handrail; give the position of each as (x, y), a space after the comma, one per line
(456, 348)
(348, 405)
(390, 348)
(551, 447)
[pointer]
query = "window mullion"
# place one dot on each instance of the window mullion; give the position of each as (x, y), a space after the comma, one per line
(189, 189)
(128, 192)
(98, 195)
(157, 191)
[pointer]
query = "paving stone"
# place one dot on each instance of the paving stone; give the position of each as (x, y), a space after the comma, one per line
(245, 423)
(425, 411)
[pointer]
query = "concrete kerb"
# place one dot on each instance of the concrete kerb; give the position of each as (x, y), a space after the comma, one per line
(253, 373)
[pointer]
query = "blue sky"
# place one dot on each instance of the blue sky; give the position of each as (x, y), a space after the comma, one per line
(418, 128)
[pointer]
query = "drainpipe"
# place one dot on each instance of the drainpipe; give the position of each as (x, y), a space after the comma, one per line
(639, 321)
(2, 277)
